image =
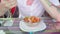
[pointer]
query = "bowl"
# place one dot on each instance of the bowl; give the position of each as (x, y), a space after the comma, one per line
(32, 20)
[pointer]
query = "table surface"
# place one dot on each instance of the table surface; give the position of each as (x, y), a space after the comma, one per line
(16, 30)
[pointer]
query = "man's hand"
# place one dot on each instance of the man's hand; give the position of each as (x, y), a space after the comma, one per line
(57, 25)
(2, 9)
(58, 18)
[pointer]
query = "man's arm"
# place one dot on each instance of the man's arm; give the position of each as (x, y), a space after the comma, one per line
(2, 9)
(51, 9)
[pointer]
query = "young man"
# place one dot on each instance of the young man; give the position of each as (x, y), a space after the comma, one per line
(30, 8)
(34, 7)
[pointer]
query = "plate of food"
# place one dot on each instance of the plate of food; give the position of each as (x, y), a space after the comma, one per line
(32, 24)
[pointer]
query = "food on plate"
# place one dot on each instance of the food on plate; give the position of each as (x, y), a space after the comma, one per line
(32, 19)
(26, 19)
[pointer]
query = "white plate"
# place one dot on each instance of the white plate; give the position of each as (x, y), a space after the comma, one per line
(40, 27)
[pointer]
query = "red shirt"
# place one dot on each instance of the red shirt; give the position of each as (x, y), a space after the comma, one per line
(13, 10)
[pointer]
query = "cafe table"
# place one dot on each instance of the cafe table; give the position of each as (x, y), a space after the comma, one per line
(14, 29)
